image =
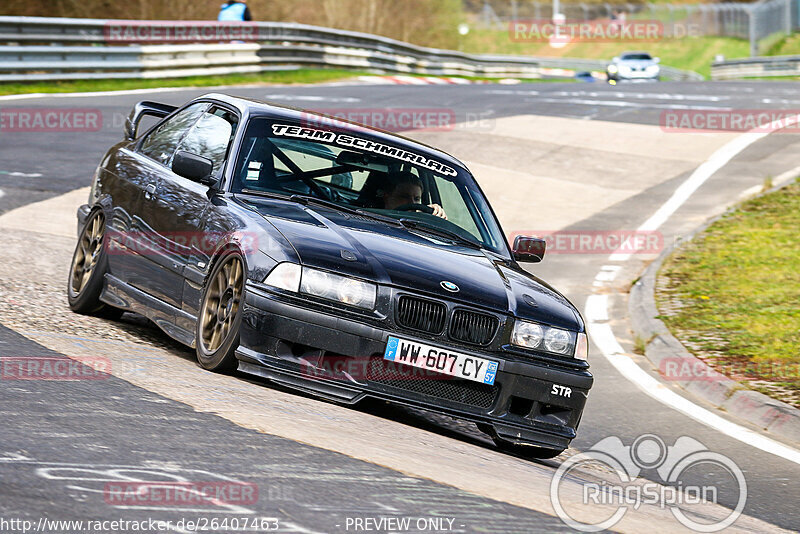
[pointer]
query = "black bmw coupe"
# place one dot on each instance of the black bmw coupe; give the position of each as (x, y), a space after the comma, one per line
(332, 258)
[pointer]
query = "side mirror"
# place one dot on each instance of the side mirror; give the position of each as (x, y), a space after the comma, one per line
(194, 167)
(529, 249)
(657, 59)
(614, 59)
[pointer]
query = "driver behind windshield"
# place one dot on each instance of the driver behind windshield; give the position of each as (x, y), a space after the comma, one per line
(403, 188)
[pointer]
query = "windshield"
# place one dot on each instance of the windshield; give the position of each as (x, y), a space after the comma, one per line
(353, 170)
(637, 56)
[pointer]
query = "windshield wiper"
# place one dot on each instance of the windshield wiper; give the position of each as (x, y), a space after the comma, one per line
(305, 200)
(440, 232)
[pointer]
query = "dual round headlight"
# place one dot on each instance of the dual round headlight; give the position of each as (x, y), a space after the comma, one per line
(293, 277)
(532, 335)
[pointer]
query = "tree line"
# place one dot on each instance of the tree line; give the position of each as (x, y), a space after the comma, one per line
(425, 22)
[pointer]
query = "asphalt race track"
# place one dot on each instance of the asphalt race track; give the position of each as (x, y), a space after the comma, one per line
(550, 156)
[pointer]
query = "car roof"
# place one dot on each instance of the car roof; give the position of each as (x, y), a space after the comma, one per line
(256, 108)
(635, 52)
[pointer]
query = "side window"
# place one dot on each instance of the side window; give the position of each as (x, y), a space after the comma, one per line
(160, 143)
(211, 136)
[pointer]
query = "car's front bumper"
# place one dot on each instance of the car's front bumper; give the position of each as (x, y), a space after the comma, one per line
(294, 345)
(636, 76)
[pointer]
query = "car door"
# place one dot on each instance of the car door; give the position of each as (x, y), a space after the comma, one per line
(136, 259)
(179, 207)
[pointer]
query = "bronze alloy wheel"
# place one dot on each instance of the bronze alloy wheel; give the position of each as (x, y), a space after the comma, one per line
(88, 270)
(87, 253)
(222, 303)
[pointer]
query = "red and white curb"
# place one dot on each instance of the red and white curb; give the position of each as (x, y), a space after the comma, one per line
(417, 80)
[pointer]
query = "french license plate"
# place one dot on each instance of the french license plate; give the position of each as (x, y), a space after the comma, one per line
(441, 360)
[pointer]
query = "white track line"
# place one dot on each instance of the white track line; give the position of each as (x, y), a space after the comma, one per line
(602, 335)
(718, 159)
(311, 98)
(626, 104)
(106, 93)
(2, 193)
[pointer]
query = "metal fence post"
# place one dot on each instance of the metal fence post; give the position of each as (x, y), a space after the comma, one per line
(752, 32)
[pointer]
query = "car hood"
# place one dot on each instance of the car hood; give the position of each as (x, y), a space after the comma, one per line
(415, 261)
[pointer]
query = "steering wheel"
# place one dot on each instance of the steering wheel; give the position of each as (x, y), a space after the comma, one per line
(415, 207)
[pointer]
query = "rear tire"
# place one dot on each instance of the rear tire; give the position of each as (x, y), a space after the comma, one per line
(217, 330)
(88, 268)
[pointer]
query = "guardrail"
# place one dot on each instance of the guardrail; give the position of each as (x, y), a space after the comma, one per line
(62, 49)
(756, 67)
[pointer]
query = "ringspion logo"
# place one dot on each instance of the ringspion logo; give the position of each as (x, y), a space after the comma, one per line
(673, 465)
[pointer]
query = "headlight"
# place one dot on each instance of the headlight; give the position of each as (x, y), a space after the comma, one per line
(652, 69)
(284, 276)
(527, 334)
(316, 283)
(531, 335)
(339, 288)
(557, 341)
(292, 277)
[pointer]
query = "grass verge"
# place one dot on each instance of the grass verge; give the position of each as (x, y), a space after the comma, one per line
(690, 53)
(731, 295)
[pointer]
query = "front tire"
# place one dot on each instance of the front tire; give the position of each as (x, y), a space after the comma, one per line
(217, 330)
(88, 268)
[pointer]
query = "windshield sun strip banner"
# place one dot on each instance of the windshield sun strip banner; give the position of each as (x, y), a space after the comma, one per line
(350, 141)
